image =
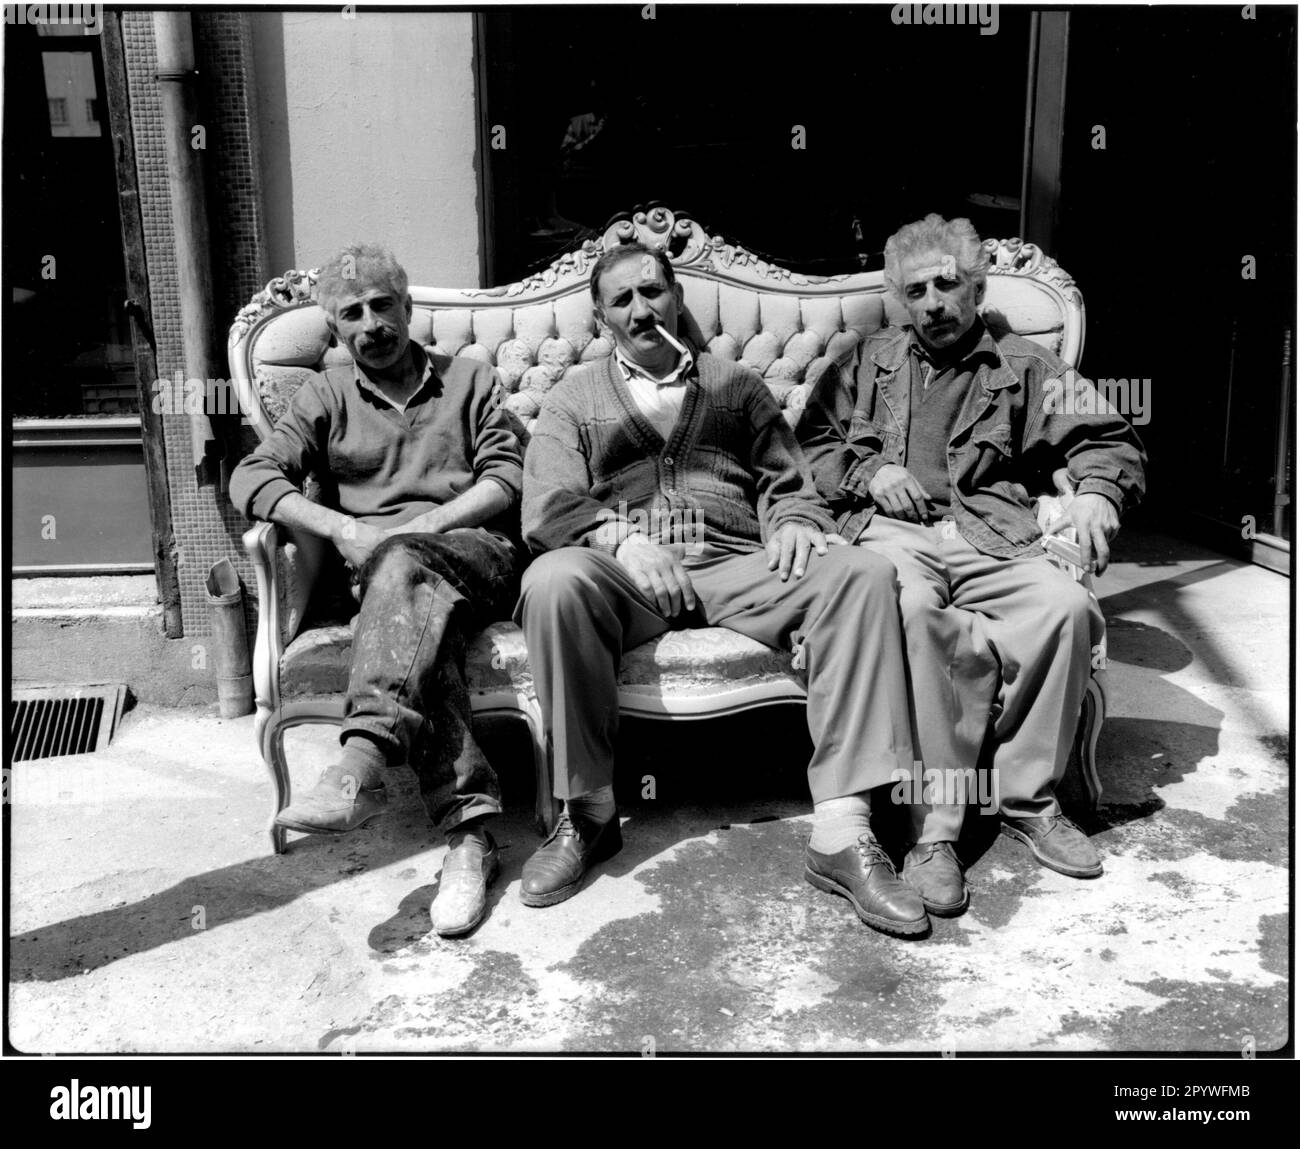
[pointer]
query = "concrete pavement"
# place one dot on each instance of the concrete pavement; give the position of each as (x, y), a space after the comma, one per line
(148, 916)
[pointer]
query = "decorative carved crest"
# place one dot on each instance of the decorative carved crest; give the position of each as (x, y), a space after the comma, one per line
(685, 241)
(1015, 257)
(287, 290)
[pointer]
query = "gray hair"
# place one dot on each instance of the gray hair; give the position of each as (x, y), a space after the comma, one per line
(358, 263)
(957, 237)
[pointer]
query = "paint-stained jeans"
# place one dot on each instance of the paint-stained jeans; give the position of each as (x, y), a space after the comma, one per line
(423, 598)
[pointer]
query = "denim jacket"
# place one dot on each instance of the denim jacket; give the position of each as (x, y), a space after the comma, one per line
(1012, 432)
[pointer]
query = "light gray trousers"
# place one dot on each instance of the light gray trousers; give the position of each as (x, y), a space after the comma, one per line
(990, 641)
(580, 610)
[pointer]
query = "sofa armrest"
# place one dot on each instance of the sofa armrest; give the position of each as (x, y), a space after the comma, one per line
(285, 564)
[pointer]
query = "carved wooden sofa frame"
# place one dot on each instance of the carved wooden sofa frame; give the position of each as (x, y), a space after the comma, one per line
(789, 327)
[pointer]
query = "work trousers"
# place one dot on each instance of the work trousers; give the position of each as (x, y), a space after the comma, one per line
(997, 648)
(580, 610)
(423, 598)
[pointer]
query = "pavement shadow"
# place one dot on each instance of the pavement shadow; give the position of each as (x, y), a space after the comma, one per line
(410, 922)
(1136, 757)
(225, 895)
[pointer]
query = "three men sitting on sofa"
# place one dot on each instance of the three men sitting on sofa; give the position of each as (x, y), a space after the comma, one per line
(421, 475)
(928, 452)
(943, 429)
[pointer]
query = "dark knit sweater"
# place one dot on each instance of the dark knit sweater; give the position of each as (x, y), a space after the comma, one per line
(381, 465)
(732, 464)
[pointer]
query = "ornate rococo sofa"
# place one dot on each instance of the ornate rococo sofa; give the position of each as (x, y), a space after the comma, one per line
(788, 327)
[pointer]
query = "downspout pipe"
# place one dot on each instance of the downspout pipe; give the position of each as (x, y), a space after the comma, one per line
(178, 86)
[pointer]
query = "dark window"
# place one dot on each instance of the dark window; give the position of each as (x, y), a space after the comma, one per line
(67, 333)
(776, 126)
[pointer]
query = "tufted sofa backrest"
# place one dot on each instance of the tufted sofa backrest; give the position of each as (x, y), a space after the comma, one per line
(787, 327)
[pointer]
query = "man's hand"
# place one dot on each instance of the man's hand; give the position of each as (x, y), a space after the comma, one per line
(430, 523)
(899, 495)
(1097, 521)
(356, 541)
(658, 572)
(788, 549)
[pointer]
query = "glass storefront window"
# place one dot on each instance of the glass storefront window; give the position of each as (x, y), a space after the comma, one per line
(801, 133)
(67, 347)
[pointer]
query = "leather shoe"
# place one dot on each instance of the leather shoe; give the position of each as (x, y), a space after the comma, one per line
(1057, 843)
(467, 871)
(933, 870)
(555, 873)
(864, 874)
(328, 808)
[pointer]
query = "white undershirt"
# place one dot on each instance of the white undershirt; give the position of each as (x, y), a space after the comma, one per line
(659, 400)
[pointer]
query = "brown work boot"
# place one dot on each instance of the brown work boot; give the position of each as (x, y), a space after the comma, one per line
(933, 870)
(467, 871)
(556, 871)
(332, 807)
(1057, 843)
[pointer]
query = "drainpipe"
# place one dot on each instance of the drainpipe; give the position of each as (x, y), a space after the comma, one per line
(177, 83)
(1281, 498)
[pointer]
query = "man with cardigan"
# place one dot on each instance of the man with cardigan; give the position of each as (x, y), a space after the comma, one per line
(661, 435)
(420, 472)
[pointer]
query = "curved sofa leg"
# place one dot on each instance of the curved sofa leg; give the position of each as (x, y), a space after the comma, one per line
(546, 808)
(1094, 714)
(272, 743)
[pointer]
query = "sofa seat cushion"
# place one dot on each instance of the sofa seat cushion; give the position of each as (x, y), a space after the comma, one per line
(688, 660)
(317, 662)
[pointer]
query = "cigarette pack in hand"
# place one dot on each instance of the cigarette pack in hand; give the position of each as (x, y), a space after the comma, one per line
(1063, 548)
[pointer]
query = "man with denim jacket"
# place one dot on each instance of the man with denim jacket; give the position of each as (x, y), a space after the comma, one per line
(929, 454)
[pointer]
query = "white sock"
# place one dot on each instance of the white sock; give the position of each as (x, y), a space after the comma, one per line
(598, 806)
(839, 822)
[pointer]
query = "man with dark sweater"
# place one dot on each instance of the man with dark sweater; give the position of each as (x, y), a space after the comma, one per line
(928, 454)
(419, 472)
(666, 489)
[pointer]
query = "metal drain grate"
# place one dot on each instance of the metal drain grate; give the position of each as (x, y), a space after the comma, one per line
(66, 720)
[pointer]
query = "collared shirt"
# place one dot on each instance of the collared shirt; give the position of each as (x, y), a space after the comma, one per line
(659, 400)
(366, 383)
(938, 365)
(939, 382)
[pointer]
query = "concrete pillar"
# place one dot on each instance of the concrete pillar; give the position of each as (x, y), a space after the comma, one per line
(369, 133)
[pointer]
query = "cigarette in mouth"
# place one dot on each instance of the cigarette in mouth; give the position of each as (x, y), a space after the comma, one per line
(681, 347)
